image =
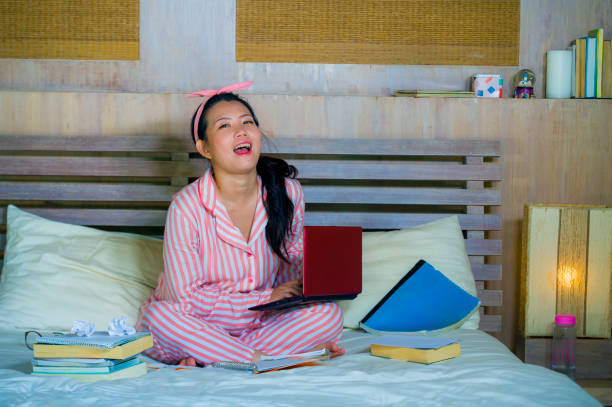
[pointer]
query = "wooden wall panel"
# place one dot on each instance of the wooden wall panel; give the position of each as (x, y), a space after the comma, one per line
(555, 151)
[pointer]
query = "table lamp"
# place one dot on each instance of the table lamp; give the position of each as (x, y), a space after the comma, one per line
(566, 268)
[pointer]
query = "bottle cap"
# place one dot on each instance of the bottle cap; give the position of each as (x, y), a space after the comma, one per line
(565, 319)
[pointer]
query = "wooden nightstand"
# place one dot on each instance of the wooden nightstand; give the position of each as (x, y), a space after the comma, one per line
(599, 389)
(593, 362)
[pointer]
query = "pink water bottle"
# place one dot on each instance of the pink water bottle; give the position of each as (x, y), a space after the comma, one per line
(564, 345)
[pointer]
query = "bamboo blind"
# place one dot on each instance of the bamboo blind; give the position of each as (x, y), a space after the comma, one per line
(69, 29)
(408, 32)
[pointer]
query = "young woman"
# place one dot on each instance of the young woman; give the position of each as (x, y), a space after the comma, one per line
(233, 240)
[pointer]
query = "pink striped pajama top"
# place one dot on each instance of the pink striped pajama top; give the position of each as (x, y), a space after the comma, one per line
(212, 276)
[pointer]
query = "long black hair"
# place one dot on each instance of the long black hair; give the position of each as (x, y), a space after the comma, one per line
(272, 171)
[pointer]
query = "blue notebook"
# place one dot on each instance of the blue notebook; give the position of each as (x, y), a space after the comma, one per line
(423, 300)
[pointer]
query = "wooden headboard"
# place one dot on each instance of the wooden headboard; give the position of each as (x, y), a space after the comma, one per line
(126, 184)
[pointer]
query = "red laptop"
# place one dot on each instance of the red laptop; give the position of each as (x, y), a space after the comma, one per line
(331, 267)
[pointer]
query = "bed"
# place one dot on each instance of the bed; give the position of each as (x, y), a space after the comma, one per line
(435, 199)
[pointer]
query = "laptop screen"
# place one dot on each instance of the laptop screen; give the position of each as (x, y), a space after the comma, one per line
(332, 260)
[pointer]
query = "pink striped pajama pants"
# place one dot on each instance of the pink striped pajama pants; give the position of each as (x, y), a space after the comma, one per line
(178, 334)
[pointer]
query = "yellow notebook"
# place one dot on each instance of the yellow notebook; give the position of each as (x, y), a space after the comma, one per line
(84, 347)
(435, 93)
(415, 348)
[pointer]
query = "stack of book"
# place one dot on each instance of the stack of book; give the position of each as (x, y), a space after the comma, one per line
(592, 66)
(436, 93)
(91, 358)
(420, 349)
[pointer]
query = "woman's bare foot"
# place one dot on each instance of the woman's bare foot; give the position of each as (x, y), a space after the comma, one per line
(333, 349)
(188, 361)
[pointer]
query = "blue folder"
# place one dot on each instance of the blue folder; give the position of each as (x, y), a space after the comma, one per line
(423, 300)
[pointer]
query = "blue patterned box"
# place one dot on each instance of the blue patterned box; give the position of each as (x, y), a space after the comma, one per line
(487, 86)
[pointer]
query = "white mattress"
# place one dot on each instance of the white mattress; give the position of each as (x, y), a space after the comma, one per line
(486, 373)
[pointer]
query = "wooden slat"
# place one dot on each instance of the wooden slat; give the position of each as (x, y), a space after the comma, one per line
(320, 169)
(395, 195)
(396, 147)
(140, 217)
(490, 298)
(489, 246)
(490, 323)
(101, 166)
(313, 194)
(488, 272)
(396, 171)
(485, 247)
(19, 191)
(133, 143)
(373, 146)
(370, 220)
(99, 217)
(79, 191)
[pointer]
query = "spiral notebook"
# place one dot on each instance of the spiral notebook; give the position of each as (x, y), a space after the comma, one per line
(100, 345)
(271, 364)
(98, 340)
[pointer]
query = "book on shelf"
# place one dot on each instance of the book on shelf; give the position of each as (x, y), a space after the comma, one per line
(412, 348)
(278, 362)
(590, 67)
(598, 34)
(134, 370)
(606, 70)
(99, 345)
(580, 59)
(573, 74)
(435, 93)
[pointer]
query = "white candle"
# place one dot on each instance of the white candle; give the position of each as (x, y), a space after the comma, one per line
(559, 74)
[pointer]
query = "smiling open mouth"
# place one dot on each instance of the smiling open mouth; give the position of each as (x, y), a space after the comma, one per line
(242, 148)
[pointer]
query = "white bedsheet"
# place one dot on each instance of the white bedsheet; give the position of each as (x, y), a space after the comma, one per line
(485, 374)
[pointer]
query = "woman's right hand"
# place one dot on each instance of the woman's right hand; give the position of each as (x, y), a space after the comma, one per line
(286, 290)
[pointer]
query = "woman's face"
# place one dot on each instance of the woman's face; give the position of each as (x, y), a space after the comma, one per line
(234, 140)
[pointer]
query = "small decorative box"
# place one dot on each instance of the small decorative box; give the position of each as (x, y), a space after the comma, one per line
(487, 86)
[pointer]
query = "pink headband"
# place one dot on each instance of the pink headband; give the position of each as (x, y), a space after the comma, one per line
(212, 92)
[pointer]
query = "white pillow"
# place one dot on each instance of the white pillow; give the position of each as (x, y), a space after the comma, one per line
(55, 273)
(388, 256)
